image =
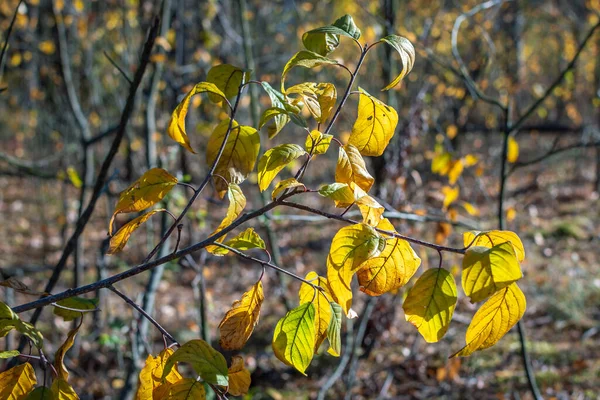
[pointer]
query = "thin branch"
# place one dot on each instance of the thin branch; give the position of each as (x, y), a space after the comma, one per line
(553, 152)
(144, 313)
(118, 67)
(7, 37)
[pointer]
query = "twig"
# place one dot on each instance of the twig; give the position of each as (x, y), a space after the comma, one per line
(551, 153)
(118, 67)
(7, 37)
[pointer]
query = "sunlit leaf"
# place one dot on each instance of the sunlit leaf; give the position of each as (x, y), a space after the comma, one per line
(120, 239)
(513, 150)
(274, 160)
(148, 190)
(486, 270)
(391, 269)
(9, 353)
(407, 55)
(317, 143)
(176, 127)
(494, 319)
(441, 163)
(306, 59)
(16, 382)
(322, 307)
(318, 97)
(470, 208)
(493, 238)
(9, 321)
(59, 356)
(370, 209)
(430, 303)
(351, 167)
(450, 195)
(184, 389)
(456, 169)
(239, 377)
(374, 127)
(344, 26)
(74, 303)
(61, 390)
(289, 183)
(237, 203)
(239, 154)
(247, 240)
(239, 322)
(294, 337)
(74, 177)
(340, 193)
(226, 78)
(206, 361)
(334, 332)
(151, 375)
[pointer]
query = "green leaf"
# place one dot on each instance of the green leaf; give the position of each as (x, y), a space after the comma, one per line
(247, 240)
(40, 393)
(77, 303)
(486, 270)
(9, 353)
(275, 112)
(274, 160)
(9, 321)
(407, 55)
(308, 294)
(305, 59)
(289, 183)
(320, 43)
(228, 79)
(492, 238)
(294, 337)
(317, 143)
(278, 100)
(344, 26)
(430, 303)
(340, 193)
(334, 331)
(183, 389)
(239, 154)
(206, 362)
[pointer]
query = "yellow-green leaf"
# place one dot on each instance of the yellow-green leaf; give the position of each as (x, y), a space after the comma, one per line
(239, 322)
(334, 332)
(148, 190)
(489, 269)
(151, 375)
(351, 167)
(184, 389)
(340, 193)
(317, 143)
(16, 382)
(344, 26)
(74, 304)
(228, 79)
(513, 150)
(494, 319)
(74, 177)
(272, 113)
(493, 238)
(9, 353)
(247, 240)
(322, 308)
(294, 337)
(59, 356)
(306, 59)
(239, 154)
(120, 239)
(274, 160)
(206, 361)
(430, 303)
(441, 163)
(407, 55)
(176, 128)
(239, 377)
(61, 390)
(351, 246)
(278, 100)
(9, 321)
(318, 97)
(289, 183)
(320, 43)
(391, 269)
(374, 127)
(237, 203)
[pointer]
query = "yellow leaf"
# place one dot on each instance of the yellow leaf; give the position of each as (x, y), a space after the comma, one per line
(306, 59)
(455, 171)
(451, 131)
(16, 382)
(47, 47)
(274, 160)
(470, 160)
(513, 150)
(294, 337)
(59, 356)
(470, 208)
(370, 209)
(494, 319)
(207, 362)
(247, 240)
(391, 269)
(239, 322)
(511, 214)
(374, 127)
(340, 193)
(228, 79)
(489, 269)
(351, 246)
(318, 97)
(289, 183)
(450, 195)
(239, 377)
(176, 128)
(151, 375)
(407, 55)
(184, 389)
(317, 143)
(120, 239)
(430, 303)
(74, 177)
(239, 154)
(61, 390)
(148, 190)
(441, 163)
(351, 167)
(322, 308)
(493, 238)
(237, 203)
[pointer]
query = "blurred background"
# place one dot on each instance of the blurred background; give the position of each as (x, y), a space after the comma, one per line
(64, 86)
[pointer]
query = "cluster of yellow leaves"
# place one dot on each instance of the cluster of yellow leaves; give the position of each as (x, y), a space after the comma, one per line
(160, 378)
